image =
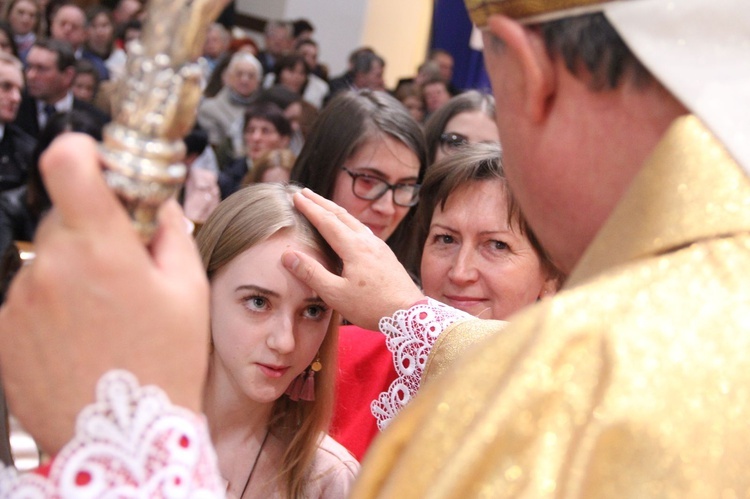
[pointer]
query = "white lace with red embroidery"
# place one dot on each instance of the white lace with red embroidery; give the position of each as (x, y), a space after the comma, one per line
(410, 336)
(131, 443)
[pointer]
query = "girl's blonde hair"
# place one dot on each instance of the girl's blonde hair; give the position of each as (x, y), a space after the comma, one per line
(246, 218)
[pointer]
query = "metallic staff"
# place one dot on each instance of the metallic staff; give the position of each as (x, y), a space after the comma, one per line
(155, 105)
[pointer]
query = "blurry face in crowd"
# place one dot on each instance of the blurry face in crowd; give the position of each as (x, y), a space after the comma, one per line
(474, 261)
(100, 32)
(216, 43)
(385, 158)
(293, 113)
(11, 85)
(294, 78)
(69, 25)
(261, 136)
(84, 87)
(23, 17)
(415, 106)
(5, 43)
(43, 78)
(310, 53)
(435, 96)
(445, 63)
(126, 10)
(373, 79)
(266, 325)
(242, 78)
(279, 41)
(471, 127)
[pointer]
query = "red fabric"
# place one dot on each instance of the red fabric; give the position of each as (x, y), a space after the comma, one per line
(365, 370)
(43, 469)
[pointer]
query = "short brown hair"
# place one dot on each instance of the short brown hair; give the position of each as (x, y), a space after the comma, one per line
(472, 163)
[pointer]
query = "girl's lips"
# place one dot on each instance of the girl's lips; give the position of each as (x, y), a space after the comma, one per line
(273, 371)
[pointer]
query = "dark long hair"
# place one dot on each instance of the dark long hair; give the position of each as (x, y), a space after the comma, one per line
(347, 122)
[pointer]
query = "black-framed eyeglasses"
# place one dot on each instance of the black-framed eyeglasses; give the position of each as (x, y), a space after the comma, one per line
(370, 188)
(453, 141)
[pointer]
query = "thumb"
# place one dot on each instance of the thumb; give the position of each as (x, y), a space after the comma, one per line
(311, 272)
(172, 247)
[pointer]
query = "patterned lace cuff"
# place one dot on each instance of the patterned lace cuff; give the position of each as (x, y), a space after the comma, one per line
(132, 442)
(410, 336)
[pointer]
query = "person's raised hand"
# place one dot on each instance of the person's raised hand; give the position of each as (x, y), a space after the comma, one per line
(95, 299)
(373, 283)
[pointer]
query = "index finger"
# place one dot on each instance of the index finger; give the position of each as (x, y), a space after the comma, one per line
(72, 174)
(323, 212)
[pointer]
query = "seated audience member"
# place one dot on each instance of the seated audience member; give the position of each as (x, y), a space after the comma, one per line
(436, 95)
(478, 255)
(289, 71)
(468, 118)
(24, 18)
(131, 30)
(50, 69)
(200, 195)
(68, 23)
(125, 11)
(445, 63)
(100, 34)
(366, 72)
(85, 81)
(308, 49)
(22, 208)
(214, 49)
(217, 114)
(293, 107)
(7, 43)
(277, 41)
(214, 83)
(265, 128)
(16, 146)
(428, 70)
(302, 29)
(292, 72)
(269, 389)
(344, 81)
(411, 97)
(274, 166)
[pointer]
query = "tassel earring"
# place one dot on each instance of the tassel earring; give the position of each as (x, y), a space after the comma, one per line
(303, 386)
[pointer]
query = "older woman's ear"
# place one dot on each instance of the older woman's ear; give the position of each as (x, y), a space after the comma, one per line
(550, 286)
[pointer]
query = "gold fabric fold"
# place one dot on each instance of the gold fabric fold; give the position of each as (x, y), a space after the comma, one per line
(631, 382)
(481, 10)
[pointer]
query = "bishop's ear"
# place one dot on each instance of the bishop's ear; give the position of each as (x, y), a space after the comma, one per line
(527, 56)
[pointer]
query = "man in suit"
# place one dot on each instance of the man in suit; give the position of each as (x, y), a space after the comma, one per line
(68, 23)
(15, 145)
(50, 69)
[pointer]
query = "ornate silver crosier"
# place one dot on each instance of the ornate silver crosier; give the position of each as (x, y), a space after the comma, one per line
(155, 107)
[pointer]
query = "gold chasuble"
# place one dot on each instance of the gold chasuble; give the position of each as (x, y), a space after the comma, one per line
(633, 382)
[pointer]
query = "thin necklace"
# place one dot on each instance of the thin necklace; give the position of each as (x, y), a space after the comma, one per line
(257, 457)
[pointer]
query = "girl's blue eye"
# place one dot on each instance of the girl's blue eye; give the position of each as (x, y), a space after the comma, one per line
(256, 302)
(315, 311)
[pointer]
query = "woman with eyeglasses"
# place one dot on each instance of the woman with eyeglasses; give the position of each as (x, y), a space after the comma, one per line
(367, 154)
(468, 118)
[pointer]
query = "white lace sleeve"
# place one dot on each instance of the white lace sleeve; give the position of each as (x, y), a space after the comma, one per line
(131, 443)
(410, 335)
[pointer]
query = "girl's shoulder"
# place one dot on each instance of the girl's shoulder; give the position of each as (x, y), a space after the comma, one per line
(334, 470)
